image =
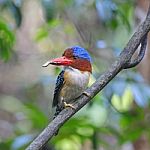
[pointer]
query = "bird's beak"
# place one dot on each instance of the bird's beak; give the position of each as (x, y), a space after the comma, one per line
(59, 61)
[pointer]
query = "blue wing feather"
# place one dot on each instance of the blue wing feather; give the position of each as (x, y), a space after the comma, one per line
(58, 87)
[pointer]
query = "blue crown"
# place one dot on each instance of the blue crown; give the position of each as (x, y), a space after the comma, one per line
(80, 52)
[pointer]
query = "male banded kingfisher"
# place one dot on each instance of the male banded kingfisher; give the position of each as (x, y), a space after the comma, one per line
(73, 79)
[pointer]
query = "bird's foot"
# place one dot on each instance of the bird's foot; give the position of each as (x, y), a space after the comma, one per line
(87, 94)
(68, 105)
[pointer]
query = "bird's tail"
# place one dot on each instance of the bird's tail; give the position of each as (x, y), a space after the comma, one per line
(58, 110)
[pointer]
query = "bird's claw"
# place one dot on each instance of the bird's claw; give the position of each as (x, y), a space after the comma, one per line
(68, 105)
(87, 94)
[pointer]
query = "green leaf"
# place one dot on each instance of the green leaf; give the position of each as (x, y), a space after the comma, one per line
(38, 118)
(53, 23)
(41, 34)
(123, 103)
(49, 8)
(127, 99)
(5, 144)
(116, 102)
(7, 39)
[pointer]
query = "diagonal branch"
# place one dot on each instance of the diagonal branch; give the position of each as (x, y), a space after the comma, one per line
(122, 62)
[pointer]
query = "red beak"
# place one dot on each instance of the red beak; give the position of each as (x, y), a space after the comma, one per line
(59, 61)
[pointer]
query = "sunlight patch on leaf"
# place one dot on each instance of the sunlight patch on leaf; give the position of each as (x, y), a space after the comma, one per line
(72, 143)
(123, 103)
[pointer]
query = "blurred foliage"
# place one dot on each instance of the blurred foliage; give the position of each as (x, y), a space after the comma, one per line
(120, 112)
(114, 13)
(14, 8)
(7, 35)
(7, 39)
(123, 103)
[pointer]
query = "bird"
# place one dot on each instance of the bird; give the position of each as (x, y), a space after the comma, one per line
(73, 78)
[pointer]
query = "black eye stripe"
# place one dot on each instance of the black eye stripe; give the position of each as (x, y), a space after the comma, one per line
(75, 57)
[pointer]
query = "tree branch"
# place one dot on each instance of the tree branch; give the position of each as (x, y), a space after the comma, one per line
(140, 56)
(123, 61)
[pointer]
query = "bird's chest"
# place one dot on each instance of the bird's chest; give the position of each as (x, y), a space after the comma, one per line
(75, 83)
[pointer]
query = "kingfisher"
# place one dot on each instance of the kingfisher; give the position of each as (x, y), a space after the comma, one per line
(73, 79)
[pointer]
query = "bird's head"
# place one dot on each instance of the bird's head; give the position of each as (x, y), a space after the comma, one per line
(76, 57)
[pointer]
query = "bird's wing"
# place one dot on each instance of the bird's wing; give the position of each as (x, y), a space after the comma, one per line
(58, 87)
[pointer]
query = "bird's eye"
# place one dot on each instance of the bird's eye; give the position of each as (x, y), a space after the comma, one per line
(74, 57)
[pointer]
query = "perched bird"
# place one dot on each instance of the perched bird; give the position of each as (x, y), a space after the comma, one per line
(73, 79)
